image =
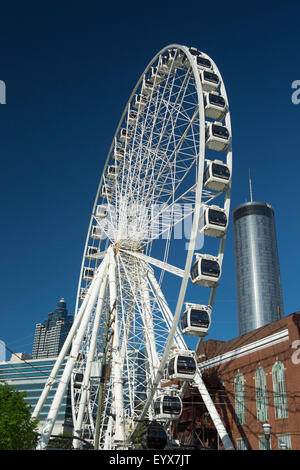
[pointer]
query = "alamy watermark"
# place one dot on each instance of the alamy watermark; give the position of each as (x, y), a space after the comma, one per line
(296, 94)
(296, 353)
(136, 222)
(2, 92)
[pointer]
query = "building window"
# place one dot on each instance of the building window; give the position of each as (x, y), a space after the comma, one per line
(241, 444)
(279, 389)
(239, 391)
(284, 441)
(261, 394)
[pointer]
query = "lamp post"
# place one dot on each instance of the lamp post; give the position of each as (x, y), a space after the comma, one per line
(267, 432)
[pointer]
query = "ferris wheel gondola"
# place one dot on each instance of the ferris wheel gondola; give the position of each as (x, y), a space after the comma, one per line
(206, 271)
(167, 407)
(177, 59)
(101, 212)
(140, 102)
(182, 365)
(217, 175)
(203, 63)
(215, 106)
(154, 436)
(162, 65)
(196, 320)
(213, 222)
(155, 167)
(112, 171)
(217, 136)
(92, 252)
(210, 80)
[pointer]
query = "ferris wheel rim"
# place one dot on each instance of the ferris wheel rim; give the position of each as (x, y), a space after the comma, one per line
(108, 157)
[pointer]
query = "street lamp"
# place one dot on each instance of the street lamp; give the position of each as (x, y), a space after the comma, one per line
(267, 432)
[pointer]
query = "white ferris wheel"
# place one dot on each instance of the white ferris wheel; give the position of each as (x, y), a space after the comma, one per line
(157, 232)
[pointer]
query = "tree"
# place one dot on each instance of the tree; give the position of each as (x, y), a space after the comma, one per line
(17, 430)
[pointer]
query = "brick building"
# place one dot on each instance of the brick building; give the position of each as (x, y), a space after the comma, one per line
(253, 379)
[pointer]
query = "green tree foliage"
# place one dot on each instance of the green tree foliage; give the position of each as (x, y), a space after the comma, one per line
(17, 430)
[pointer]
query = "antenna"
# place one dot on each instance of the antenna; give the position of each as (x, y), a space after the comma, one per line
(250, 185)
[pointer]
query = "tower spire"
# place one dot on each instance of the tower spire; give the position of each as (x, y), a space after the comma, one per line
(250, 186)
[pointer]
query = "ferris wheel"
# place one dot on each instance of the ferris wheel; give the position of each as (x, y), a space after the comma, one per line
(154, 247)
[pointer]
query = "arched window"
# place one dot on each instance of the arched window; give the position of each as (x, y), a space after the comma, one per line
(279, 389)
(261, 394)
(239, 392)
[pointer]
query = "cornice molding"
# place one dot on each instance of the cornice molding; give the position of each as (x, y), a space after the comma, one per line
(250, 348)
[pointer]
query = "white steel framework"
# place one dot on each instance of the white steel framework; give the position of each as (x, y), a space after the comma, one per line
(143, 232)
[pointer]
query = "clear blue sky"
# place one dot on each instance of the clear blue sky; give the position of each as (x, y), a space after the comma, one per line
(69, 68)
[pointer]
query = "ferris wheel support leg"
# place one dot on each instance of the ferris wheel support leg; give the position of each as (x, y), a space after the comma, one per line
(109, 434)
(65, 378)
(64, 351)
(149, 336)
(90, 359)
(148, 325)
(213, 412)
(119, 436)
(173, 334)
(199, 382)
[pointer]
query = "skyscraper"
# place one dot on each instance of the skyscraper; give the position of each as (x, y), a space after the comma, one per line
(50, 335)
(2, 351)
(259, 295)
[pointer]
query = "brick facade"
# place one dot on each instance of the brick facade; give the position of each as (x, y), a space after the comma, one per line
(220, 362)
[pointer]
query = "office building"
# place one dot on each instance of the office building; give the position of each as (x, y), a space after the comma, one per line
(50, 335)
(2, 351)
(29, 376)
(259, 295)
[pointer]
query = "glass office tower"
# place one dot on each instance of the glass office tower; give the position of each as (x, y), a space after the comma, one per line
(50, 335)
(259, 295)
